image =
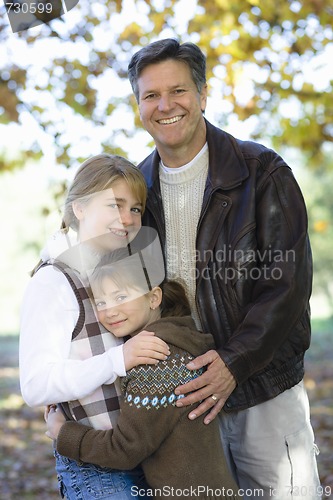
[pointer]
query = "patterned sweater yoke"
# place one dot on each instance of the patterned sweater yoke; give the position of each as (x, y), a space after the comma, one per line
(153, 385)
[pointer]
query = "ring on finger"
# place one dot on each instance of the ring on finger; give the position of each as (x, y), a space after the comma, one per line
(214, 398)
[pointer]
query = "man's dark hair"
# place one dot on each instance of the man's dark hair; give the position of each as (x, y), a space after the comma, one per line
(169, 48)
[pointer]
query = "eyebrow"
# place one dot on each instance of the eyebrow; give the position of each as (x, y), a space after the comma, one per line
(102, 293)
(122, 200)
(173, 87)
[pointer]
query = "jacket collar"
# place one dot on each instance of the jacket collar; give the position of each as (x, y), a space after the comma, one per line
(227, 167)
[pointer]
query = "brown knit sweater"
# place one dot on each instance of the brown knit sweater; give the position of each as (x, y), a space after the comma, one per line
(176, 453)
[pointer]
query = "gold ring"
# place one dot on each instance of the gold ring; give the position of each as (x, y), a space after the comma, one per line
(214, 398)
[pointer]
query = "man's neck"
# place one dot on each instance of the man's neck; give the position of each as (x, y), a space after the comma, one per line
(177, 157)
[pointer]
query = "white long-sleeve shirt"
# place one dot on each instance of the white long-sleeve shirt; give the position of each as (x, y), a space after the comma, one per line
(48, 316)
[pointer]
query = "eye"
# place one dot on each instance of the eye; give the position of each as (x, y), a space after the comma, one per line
(113, 206)
(100, 305)
(121, 298)
(148, 97)
(179, 91)
(136, 210)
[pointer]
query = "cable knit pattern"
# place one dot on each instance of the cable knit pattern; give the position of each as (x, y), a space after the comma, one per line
(182, 193)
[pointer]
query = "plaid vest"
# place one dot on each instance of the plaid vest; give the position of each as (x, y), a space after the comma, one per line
(99, 409)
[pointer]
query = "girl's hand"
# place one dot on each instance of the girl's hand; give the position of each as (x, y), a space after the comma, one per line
(55, 420)
(144, 349)
(47, 411)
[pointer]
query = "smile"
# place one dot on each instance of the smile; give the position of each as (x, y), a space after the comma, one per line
(169, 121)
(117, 323)
(119, 232)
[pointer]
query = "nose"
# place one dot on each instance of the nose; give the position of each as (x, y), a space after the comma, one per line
(110, 312)
(165, 103)
(126, 217)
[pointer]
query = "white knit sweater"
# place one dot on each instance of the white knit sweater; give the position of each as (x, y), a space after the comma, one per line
(182, 194)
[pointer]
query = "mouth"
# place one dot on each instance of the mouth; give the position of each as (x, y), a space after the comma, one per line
(170, 121)
(121, 233)
(117, 323)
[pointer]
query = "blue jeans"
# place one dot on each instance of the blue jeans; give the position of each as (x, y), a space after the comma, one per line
(81, 481)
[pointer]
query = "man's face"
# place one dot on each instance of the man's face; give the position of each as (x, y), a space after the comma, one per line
(171, 110)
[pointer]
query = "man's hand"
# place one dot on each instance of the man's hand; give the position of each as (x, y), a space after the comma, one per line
(55, 420)
(213, 387)
(144, 348)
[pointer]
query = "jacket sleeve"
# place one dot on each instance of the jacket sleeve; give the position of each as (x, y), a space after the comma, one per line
(279, 297)
(145, 420)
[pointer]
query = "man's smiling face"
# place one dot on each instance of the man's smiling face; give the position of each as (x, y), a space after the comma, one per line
(171, 109)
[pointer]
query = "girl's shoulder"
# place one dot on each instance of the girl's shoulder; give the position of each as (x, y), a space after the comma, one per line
(48, 274)
(45, 285)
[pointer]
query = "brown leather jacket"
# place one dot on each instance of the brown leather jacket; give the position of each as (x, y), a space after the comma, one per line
(254, 264)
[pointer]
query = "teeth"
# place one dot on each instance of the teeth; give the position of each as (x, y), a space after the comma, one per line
(118, 232)
(170, 120)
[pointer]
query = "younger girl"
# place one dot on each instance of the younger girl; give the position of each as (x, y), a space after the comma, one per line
(176, 454)
(64, 354)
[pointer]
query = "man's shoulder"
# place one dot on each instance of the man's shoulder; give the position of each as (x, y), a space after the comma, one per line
(247, 148)
(253, 149)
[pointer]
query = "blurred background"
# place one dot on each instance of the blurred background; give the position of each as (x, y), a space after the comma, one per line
(64, 96)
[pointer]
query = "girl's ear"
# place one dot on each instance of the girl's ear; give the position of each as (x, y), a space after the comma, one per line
(155, 297)
(77, 209)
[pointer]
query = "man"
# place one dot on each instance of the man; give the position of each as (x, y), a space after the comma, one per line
(233, 226)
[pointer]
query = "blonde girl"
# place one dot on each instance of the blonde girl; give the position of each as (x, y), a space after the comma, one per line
(64, 354)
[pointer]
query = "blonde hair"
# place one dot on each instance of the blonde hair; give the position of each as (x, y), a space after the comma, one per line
(97, 174)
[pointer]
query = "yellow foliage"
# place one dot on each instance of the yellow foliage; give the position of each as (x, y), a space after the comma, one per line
(8, 101)
(320, 226)
(132, 33)
(277, 40)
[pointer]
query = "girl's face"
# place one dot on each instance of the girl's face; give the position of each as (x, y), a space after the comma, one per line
(126, 311)
(115, 212)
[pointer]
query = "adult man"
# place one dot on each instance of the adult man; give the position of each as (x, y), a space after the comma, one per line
(233, 226)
